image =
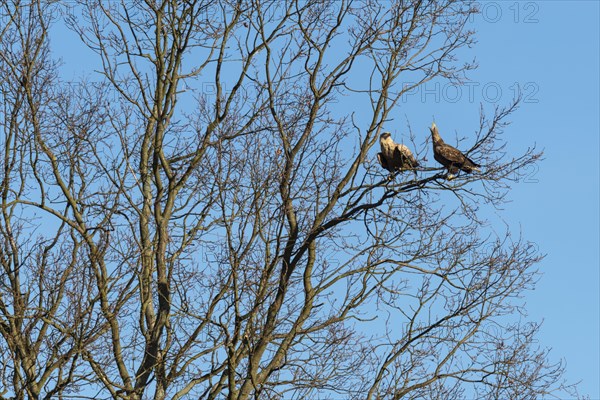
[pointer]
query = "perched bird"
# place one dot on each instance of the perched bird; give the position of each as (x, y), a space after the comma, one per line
(450, 157)
(394, 156)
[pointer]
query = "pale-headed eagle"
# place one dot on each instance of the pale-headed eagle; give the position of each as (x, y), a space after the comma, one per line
(394, 156)
(450, 157)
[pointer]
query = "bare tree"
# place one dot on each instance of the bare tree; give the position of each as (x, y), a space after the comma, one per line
(205, 220)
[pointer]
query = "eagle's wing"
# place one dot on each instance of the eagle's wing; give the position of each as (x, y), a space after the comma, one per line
(382, 160)
(450, 154)
(454, 157)
(404, 157)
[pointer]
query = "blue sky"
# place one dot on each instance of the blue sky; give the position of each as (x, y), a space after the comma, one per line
(554, 46)
(550, 51)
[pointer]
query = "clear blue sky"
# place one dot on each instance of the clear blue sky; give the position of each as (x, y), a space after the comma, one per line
(553, 47)
(550, 49)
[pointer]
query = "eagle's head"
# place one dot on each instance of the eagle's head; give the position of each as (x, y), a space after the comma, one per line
(433, 127)
(435, 133)
(386, 143)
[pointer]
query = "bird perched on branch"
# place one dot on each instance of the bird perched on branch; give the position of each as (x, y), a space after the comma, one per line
(394, 156)
(450, 157)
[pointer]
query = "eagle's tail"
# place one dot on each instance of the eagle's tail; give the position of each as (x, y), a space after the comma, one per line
(470, 166)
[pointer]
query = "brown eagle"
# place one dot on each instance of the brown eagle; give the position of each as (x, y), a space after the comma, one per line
(450, 157)
(394, 156)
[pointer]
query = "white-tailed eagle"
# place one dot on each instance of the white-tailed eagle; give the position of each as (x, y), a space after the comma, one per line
(394, 156)
(450, 157)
